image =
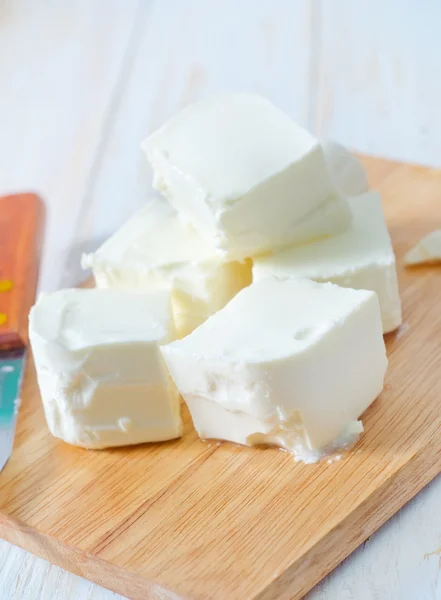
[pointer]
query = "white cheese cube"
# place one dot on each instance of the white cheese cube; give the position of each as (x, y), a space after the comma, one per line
(428, 250)
(287, 362)
(245, 175)
(102, 377)
(347, 172)
(361, 258)
(155, 250)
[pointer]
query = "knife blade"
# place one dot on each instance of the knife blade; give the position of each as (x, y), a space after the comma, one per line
(11, 375)
(21, 233)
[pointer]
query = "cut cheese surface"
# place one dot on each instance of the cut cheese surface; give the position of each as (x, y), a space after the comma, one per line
(361, 258)
(102, 378)
(427, 250)
(245, 175)
(154, 250)
(288, 362)
(346, 170)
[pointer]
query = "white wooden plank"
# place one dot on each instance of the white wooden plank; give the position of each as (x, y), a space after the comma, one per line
(188, 50)
(402, 561)
(59, 65)
(379, 85)
(26, 577)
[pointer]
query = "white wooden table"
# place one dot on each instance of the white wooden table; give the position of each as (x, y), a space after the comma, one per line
(81, 83)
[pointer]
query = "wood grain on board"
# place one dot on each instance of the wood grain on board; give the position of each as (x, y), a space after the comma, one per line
(188, 519)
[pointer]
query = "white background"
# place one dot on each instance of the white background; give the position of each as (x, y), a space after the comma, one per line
(82, 82)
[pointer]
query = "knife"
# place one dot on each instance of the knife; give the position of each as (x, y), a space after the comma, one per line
(21, 234)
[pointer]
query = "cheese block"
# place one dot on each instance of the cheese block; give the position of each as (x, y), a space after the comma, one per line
(288, 362)
(245, 175)
(155, 250)
(102, 377)
(428, 250)
(362, 258)
(346, 171)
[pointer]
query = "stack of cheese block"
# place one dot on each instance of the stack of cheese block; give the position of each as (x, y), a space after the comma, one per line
(259, 289)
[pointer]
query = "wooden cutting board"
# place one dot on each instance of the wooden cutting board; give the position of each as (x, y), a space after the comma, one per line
(200, 520)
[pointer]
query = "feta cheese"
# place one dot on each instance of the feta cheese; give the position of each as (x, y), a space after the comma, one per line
(155, 250)
(287, 362)
(428, 250)
(102, 377)
(347, 172)
(245, 175)
(361, 258)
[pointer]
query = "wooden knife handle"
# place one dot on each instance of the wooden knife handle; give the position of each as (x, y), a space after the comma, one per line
(21, 236)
